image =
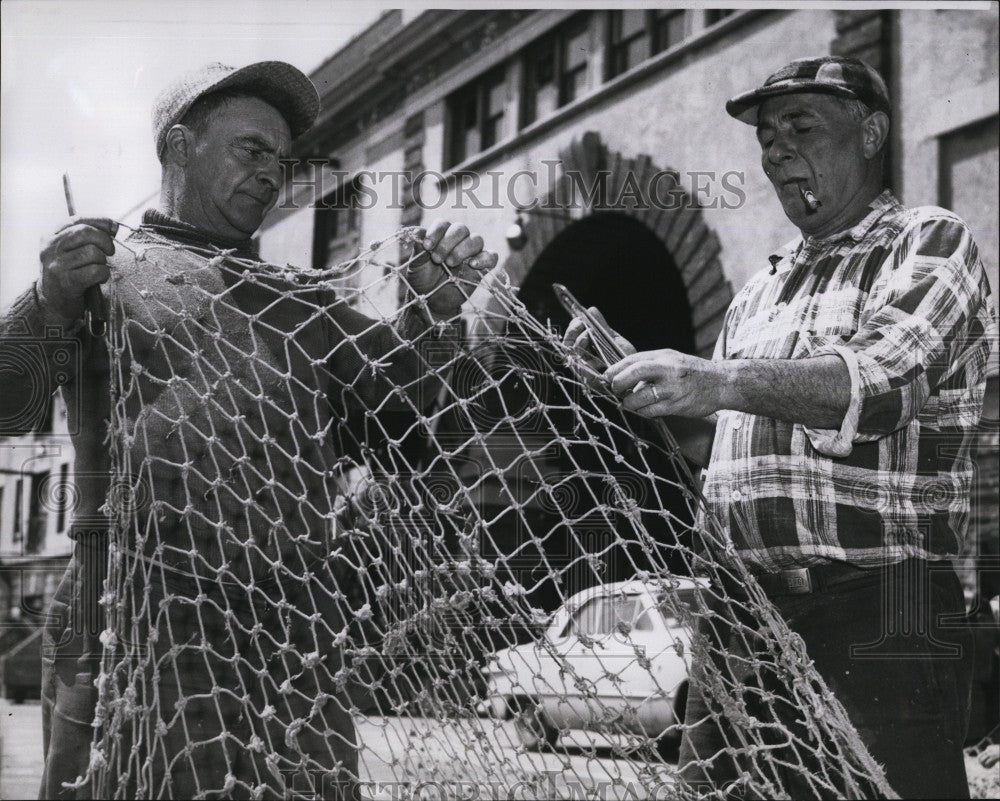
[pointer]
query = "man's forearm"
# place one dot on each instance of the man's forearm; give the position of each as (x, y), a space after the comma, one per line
(430, 348)
(29, 330)
(31, 315)
(814, 392)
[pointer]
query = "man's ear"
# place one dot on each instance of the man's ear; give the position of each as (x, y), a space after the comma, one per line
(875, 129)
(178, 144)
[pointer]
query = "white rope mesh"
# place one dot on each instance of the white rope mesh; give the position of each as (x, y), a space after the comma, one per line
(339, 527)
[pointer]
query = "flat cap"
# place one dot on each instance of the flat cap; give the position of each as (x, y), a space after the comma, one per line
(285, 87)
(833, 75)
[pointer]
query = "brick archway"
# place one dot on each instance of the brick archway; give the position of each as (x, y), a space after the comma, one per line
(627, 186)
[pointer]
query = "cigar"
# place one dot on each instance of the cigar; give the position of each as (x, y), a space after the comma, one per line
(96, 319)
(812, 204)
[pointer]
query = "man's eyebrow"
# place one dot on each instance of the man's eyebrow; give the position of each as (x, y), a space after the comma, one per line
(798, 113)
(256, 141)
(791, 115)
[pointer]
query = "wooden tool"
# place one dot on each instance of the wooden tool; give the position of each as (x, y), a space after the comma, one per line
(95, 316)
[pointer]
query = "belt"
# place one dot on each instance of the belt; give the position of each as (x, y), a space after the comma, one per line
(820, 578)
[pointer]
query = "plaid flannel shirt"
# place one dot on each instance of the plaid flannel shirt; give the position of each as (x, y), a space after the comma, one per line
(903, 298)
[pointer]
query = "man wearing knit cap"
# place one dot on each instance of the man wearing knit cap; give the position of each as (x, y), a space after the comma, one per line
(835, 420)
(234, 602)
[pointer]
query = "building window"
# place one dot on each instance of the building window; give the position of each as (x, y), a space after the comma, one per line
(635, 35)
(337, 227)
(18, 523)
(629, 39)
(37, 515)
(63, 498)
(669, 28)
(555, 70)
(476, 115)
(968, 184)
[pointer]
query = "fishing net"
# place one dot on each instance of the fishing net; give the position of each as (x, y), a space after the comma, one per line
(356, 554)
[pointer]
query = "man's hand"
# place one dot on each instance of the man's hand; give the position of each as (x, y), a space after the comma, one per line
(657, 383)
(694, 435)
(74, 258)
(578, 338)
(451, 267)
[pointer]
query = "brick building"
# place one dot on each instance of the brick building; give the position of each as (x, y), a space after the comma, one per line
(515, 115)
(499, 114)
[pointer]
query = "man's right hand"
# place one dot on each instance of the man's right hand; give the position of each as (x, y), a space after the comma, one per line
(578, 338)
(74, 258)
(694, 435)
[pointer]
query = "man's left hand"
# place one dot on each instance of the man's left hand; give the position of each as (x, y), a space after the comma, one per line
(451, 267)
(657, 383)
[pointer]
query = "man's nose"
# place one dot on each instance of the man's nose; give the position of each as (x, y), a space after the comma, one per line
(781, 149)
(270, 174)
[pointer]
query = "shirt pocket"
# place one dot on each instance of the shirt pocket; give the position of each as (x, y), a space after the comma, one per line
(817, 321)
(828, 324)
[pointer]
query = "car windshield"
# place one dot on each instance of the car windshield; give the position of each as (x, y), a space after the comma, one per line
(673, 604)
(603, 615)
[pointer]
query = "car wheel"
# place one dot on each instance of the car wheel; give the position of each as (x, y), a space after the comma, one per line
(680, 703)
(533, 728)
(668, 745)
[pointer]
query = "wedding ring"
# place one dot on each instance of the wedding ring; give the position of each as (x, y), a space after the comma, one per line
(656, 395)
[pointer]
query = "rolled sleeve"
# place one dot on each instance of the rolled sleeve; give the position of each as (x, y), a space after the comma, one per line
(926, 321)
(838, 442)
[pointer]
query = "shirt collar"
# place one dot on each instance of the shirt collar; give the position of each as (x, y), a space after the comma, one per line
(184, 232)
(781, 259)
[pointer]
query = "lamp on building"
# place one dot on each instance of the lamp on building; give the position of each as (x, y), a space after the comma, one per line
(516, 237)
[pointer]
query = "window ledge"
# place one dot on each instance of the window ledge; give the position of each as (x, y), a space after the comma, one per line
(638, 73)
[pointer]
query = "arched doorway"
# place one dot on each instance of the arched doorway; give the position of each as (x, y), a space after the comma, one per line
(616, 263)
(550, 527)
(653, 201)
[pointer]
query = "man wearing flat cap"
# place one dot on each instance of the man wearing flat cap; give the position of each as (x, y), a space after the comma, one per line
(233, 377)
(835, 420)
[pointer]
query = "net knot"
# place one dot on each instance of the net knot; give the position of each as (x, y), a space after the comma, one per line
(98, 759)
(292, 732)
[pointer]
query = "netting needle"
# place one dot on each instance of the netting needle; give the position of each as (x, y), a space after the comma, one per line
(96, 319)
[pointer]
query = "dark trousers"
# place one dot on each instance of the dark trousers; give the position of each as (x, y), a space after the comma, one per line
(71, 653)
(226, 697)
(892, 648)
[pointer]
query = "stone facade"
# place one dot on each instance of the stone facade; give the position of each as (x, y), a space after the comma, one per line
(386, 99)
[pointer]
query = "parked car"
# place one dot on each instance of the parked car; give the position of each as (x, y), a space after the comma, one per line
(615, 658)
